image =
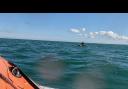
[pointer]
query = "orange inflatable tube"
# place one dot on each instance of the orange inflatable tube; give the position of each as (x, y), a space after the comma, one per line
(11, 77)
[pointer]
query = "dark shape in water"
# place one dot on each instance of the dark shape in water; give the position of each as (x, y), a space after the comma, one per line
(82, 44)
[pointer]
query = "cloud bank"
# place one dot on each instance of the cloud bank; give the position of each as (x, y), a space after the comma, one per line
(108, 34)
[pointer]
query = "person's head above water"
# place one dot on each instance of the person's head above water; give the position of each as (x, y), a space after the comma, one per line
(82, 42)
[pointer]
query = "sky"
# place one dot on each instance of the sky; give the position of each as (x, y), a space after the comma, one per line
(57, 26)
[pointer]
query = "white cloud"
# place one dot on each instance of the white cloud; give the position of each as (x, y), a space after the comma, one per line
(109, 34)
(75, 30)
(83, 29)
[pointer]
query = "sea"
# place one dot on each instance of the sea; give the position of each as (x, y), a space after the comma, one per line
(66, 65)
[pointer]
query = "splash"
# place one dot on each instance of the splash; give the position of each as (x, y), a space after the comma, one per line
(51, 68)
(90, 79)
(44, 87)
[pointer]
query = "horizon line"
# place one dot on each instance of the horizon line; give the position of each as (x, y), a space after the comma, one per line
(61, 41)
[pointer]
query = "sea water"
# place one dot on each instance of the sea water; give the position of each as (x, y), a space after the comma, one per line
(66, 65)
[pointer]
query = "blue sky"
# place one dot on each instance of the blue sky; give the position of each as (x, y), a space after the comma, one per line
(56, 26)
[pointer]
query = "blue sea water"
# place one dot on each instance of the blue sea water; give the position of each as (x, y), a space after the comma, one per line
(94, 66)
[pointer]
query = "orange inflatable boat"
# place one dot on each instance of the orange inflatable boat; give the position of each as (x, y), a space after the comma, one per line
(11, 77)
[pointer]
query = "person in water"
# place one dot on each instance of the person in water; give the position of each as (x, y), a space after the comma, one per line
(82, 44)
